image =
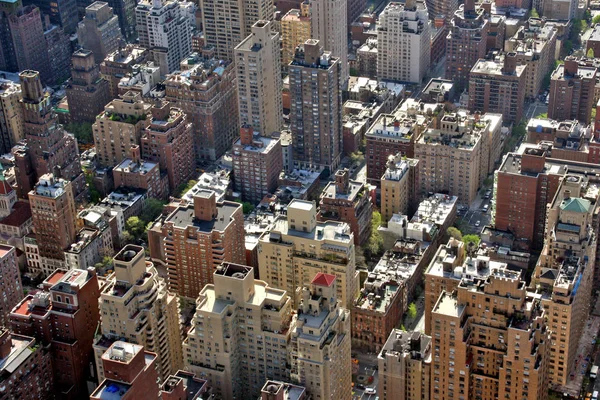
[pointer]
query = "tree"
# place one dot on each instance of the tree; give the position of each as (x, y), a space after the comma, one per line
(153, 209)
(412, 311)
(357, 158)
(360, 257)
(375, 243)
(534, 13)
(596, 19)
(471, 239)
(593, 116)
(454, 233)
(94, 193)
(136, 227)
(247, 208)
(590, 53)
(183, 188)
(83, 132)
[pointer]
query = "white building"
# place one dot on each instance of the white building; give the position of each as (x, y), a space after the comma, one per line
(328, 25)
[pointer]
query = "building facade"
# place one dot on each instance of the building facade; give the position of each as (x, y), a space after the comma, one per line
(99, 30)
(572, 91)
(328, 27)
(295, 30)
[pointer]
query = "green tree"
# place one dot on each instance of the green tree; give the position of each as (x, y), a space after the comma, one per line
(471, 239)
(412, 311)
(590, 53)
(357, 158)
(83, 132)
(94, 193)
(534, 13)
(183, 188)
(247, 208)
(136, 228)
(454, 233)
(596, 19)
(153, 209)
(375, 243)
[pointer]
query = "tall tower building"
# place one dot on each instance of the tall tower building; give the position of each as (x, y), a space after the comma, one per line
(444, 9)
(316, 107)
(61, 12)
(329, 28)
(466, 42)
(258, 66)
(403, 42)
(151, 320)
(99, 30)
(320, 346)
(196, 238)
(11, 116)
(295, 30)
(572, 91)
(237, 358)
(227, 22)
(125, 11)
(53, 214)
(10, 285)
(164, 25)
(87, 91)
(168, 140)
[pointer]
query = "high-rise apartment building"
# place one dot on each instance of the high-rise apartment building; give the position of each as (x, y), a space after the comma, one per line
(316, 106)
(227, 22)
(11, 115)
(120, 63)
(87, 92)
(347, 201)
(125, 11)
(119, 128)
(498, 86)
(444, 9)
(320, 345)
(150, 320)
(206, 92)
(236, 358)
(164, 24)
(295, 30)
(298, 247)
(257, 163)
(63, 317)
(196, 238)
(61, 12)
(466, 42)
(130, 371)
(354, 9)
(328, 27)
(10, 285)
(135, 172)
(60, 49)
(564, 273)
(53, 212)
(99, 30)
(403, 42)
(258, 66)
(168, 140)
(47, 147)
(572, 91)
(405, 366)
(400, 187)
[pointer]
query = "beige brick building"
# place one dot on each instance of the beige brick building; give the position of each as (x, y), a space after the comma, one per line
(136, 305)
(399, 187)
(11, 116)
(240, 333)
(295, 30)
(298, 247)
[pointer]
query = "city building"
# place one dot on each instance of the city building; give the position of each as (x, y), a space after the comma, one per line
(87, 92)
(316, 106)
(25, 367)
(498, 86)
(572, 91)
(163, 24)
(123, 203)
(63, 317)
(184, 385)
(403, 42)
(400, 187)
(347, 201)
(168, 140)
(328, 27)
(535, 46)
(89, 248)
(135, 172)
(444, 9)
(125, 11)
(99, 31)
(490, 333)
(320, 340)
(559, 9)
(563, 276)
(53, 212)
(218, 181)
(466, 42)
(235, 358)
(257, 163)
(593, 42)
(119, 128)
(130, 371)
(119, 63)
(60, 49)
(196, 238)
(62, 13)
(227, 23)
(298, 247)
(366, 57)
(206, 92)
(258, 68)
(295, 30)
(454, 158)
(143, 79)
(387, 292)
(10, 285)
(275, 390)
(357, 117)
(11, 115)
(151, 321)
(405, 366)
(354, 9)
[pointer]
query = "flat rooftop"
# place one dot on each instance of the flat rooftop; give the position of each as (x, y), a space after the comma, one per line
(448, 305)
(183, 217)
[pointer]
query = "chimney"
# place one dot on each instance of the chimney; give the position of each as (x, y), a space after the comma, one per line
(161, 110)
(246, 135)
(533, 160)
(570, 66)
(5, 343)
(567, 194)
(510, 63)
(342, 180)
(312, 51)
(135, 153)
(205, 205)
(272, 391)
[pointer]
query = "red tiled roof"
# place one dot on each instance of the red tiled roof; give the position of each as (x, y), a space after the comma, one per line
(20, 214)
(322, 279)
(5, 188)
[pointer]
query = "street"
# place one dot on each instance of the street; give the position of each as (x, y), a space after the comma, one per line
(534, 109)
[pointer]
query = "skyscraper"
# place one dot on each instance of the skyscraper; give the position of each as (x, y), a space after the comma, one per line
(258, 67)
(11, 115)
(125, 11)
(316, 107)
(165, 25)
(99, 30)
(329, 28)
(295, 30)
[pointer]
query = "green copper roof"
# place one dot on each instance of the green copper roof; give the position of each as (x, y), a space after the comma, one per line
(576, 205)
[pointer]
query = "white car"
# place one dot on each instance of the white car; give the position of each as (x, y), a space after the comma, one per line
(370, 391)
(477, 224)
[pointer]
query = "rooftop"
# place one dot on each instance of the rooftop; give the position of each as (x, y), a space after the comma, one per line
(184, 216)
(218, 182)
(448, 305)
(260, 144)
(71, 281)
(48, 186)
(290, 392)
(19, 353)
(354, 189)
(322, 279)
(133, 167)
(436, 209)
(495, 67)
(417, 344)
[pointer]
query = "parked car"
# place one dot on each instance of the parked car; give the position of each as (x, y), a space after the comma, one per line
(477, 224)
(370, 391)
(361, 387)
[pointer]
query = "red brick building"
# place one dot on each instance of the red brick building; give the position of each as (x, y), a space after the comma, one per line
(572, 87)
(137, 173)
(10, 284)
(168, 140)
(63, 317)
(130, 371)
